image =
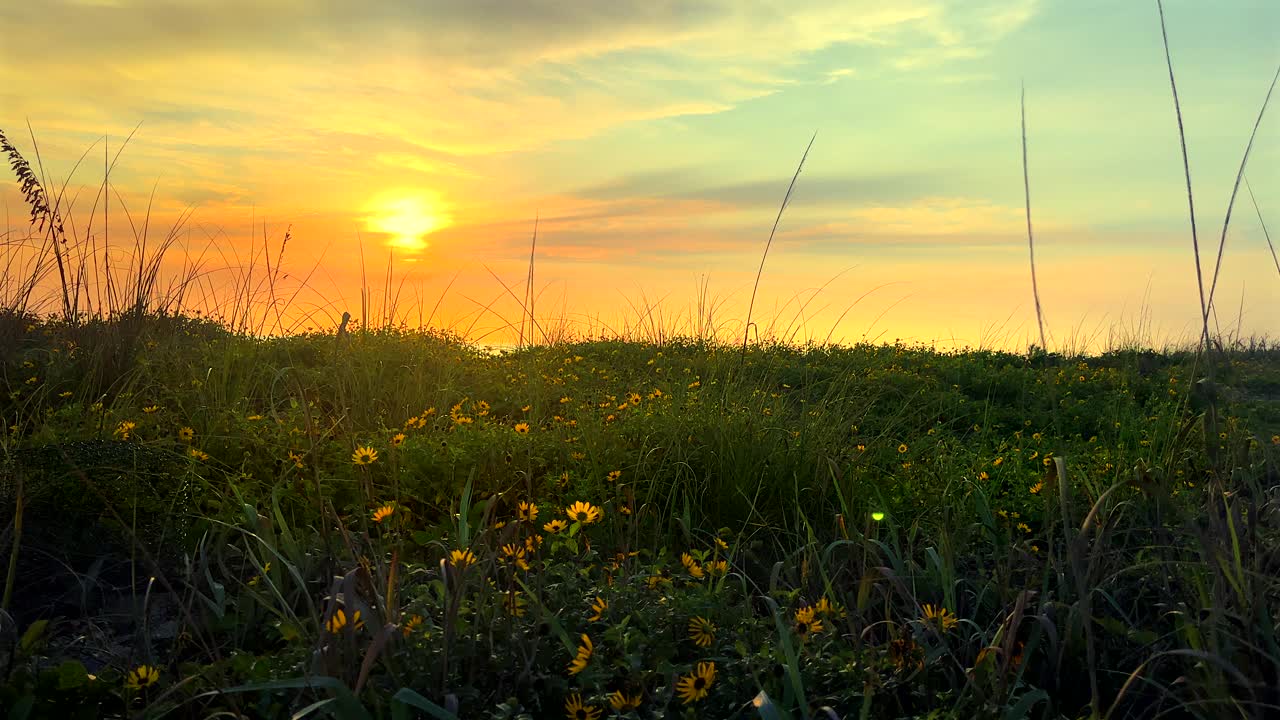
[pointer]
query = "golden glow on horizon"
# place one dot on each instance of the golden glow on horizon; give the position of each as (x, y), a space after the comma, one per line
(407, 217)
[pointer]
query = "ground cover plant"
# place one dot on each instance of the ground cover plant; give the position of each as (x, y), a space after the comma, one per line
(393, 522)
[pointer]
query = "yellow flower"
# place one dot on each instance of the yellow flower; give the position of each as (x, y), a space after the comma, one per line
(198, 454)
(997, 461)
(555, 526)
(143, 676)
(575, 710)
(65, 394)
(397, 440)
(807, 623)
(1035, 489)
(622, 702)
(411, 625)
(564, 479)
(253, 418)
(583, 658)
(364, 456)
(296, 459)
(522, 428)
(613, 476)
(702, 631)
(460, 559)
(1048, 460)
(339, 621)
(125, 428)
(598, 606)
(941, 616)
(526, 511)
(581, 512)
(697, 685)
(1275, 439)
(151, 409)
(383, 513)
(692, 566)
(827, 609)
(186, 434)
(902, 448)
(513, 554)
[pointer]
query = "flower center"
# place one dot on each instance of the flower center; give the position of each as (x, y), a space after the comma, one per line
(699, 683)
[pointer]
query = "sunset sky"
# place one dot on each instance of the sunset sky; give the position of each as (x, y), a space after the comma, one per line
(654, 140)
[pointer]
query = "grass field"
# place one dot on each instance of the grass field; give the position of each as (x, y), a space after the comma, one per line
(391, 522)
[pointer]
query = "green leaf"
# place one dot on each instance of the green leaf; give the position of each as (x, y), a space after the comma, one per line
(408, 698)
(72, 674)
(1020, 709)
(32, 637)
(346, 705)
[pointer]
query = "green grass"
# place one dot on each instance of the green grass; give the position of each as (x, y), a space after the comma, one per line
(1098, 553)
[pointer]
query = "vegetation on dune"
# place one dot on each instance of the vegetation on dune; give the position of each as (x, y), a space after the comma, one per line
(400, 524)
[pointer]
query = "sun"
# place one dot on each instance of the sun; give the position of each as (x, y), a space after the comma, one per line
(407, 217)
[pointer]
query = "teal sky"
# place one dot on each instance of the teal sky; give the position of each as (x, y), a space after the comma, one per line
(654, 140)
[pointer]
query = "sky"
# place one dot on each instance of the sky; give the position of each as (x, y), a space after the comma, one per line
(653, 142)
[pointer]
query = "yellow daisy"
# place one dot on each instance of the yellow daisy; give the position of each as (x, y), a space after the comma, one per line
(513, 554)
(598, 606)
(364, 456)
(383, 513)
(411, 625)
(583, 658)
(339, 621)
(522, 428)
(186, 434)
(621, 702)
(397, 440)
(575, 709)
(143, 676)
(460, 559)
(526, 511)
(584, 513)
(555, 526)
(827, 609)
(941, 616)
(696, 686)
(807, 623)
(702, 631)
